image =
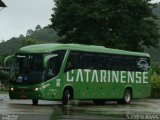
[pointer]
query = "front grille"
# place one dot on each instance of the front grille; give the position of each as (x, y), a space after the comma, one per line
(23, 90)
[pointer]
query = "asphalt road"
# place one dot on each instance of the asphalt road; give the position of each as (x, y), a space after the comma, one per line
(148, 109)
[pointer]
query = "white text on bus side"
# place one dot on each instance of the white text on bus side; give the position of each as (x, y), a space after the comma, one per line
(108, 76)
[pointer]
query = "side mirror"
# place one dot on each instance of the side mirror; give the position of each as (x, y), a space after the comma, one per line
(7, 60)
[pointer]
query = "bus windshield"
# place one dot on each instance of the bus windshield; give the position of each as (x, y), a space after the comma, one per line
(28, 69)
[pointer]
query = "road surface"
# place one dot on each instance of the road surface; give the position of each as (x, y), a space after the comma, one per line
(78, 110)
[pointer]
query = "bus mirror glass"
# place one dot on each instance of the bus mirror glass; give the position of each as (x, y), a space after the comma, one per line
(8, 61)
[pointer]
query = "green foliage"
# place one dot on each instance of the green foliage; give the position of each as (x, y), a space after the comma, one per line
(2, 57)
(4, 79)
(1, 60)
(155, 83)
(40, 35)
(156, 70)
(4, 75)
(124, 24)
(29, 41)
(155, 52)
(38, 27)
(156, 11)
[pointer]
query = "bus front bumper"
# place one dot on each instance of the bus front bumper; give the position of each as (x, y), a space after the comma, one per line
(24, 94)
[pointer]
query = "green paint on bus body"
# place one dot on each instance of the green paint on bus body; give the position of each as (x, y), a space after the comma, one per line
(86, 83)
(45, 48)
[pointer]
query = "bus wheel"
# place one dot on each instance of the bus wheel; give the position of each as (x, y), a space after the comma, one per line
(34, 102)
(99, 102)
(66, 97)
(127, 97)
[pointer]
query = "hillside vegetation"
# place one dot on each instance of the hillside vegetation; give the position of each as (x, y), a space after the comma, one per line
(155, 53)
(39, 35)
(48, 35)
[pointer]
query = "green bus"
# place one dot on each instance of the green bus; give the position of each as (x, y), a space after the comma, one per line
(64, 72)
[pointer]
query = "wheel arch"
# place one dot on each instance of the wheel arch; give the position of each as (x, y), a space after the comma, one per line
(70, 88)
(129, 88)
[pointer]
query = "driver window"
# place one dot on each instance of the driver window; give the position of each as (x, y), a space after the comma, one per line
(53, 67)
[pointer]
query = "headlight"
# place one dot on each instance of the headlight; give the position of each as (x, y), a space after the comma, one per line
(11, 88)
(36, 89)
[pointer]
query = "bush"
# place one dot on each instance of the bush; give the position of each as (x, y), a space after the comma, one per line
(155, 84)
(4, 80)
(4, 75)
(156, 70)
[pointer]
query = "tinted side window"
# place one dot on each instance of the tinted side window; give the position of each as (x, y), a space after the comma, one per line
(130, 63)
(61, 54)
(117, 62)
(102, 62)
(96, 61)
(55, 63)
(53, 67)
(89, 61)
(74, 61)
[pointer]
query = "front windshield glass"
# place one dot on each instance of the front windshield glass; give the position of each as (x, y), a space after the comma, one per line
(28, 69)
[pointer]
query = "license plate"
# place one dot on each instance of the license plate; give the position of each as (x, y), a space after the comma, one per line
(23, 96)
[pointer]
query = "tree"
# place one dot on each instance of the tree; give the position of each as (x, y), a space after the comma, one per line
(29, 41)
(1, 60)
(21, 36)
(29, 32)
(123, 24)
(38, 27)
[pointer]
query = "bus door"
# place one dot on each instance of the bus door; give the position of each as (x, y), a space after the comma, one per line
(51, 63)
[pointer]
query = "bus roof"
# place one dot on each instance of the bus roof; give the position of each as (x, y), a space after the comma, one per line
(49, 47)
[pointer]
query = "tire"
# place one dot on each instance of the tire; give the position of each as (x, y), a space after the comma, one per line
(34, 101)
(99, 102)
(66, 97)
(127, 97)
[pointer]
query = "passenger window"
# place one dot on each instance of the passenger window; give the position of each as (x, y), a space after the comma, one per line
(74, 61)
(88, 61)
(103, 62)
(117, 62)
(130, 63)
